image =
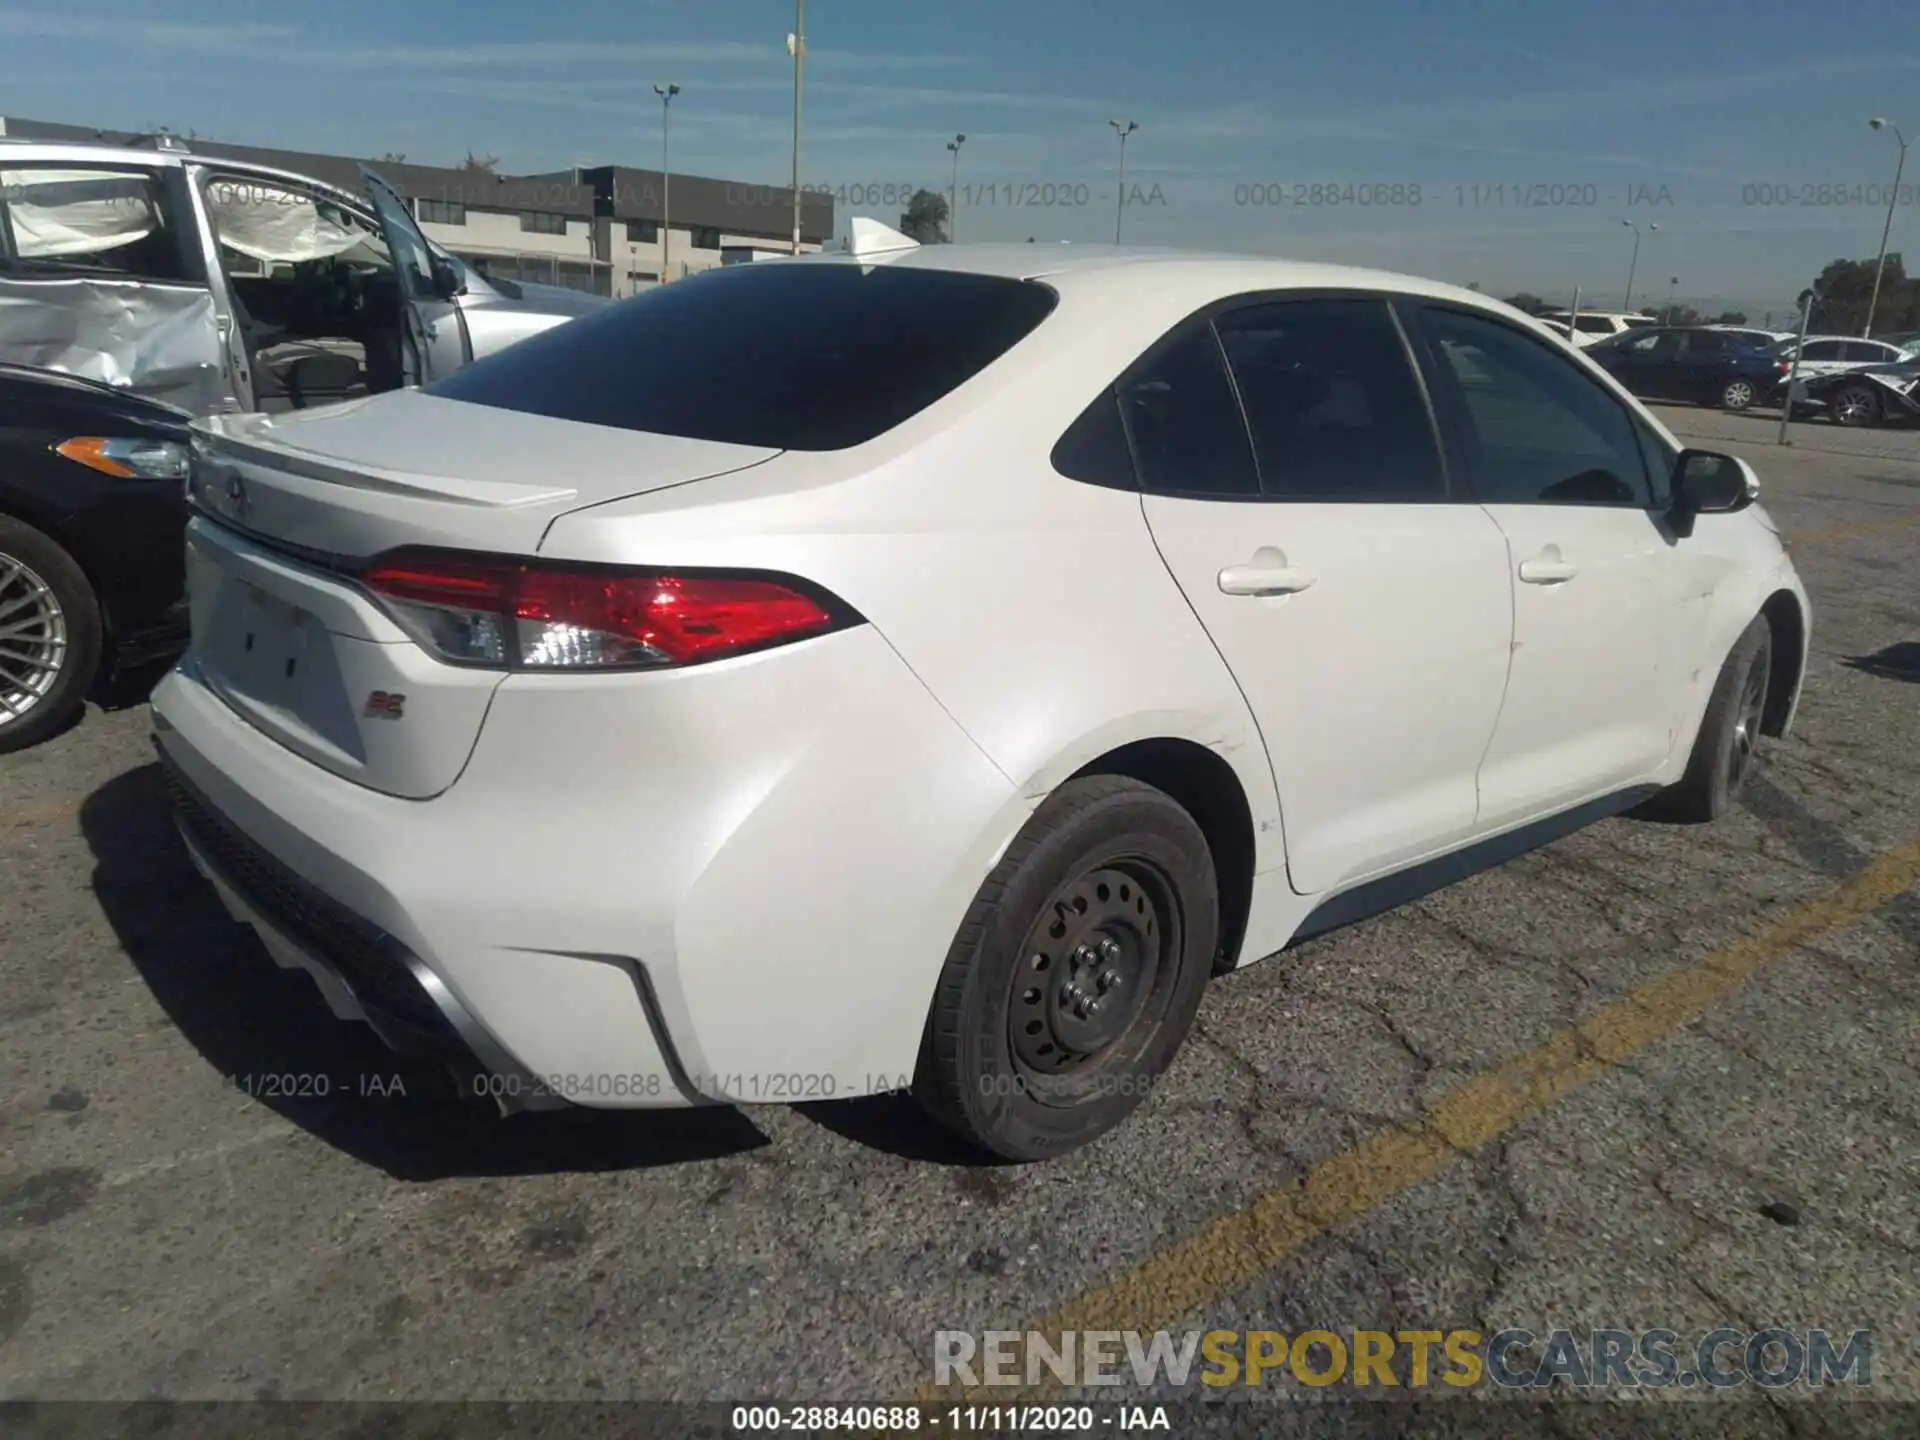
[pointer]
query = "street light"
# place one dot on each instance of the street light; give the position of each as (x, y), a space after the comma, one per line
(953, 189)
(1120, 201)
(1634, 263)
(1672, 285)
(666, 95)
(797, 47)
(1879, 124)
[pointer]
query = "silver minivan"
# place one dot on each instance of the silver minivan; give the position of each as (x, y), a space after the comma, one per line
(225, 287)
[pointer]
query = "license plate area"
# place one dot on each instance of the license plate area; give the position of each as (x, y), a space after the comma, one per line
(266, 650)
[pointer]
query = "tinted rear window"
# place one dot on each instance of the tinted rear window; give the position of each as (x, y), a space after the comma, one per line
(790, 356)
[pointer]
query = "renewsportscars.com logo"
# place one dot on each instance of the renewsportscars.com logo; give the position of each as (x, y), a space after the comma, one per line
(1414, 1359)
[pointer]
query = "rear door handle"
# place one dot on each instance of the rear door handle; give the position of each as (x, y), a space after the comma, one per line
(1549, 569)
(1266, 574)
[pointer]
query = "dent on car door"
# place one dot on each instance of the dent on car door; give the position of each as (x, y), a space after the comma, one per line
(1365, 616)
(436, 339)
(1605, 614)
(101, 276)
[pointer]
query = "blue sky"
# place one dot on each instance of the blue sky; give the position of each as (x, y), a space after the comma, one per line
(1663, 112)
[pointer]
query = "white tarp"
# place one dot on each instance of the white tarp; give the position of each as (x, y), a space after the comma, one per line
(76, 212)
(272, 224)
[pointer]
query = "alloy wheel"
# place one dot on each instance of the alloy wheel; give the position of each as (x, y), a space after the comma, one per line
(1853, 407)
(33, 639)
(1738, 395)
(1746, 724)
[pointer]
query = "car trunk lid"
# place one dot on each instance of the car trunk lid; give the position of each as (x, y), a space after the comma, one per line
(291, 507)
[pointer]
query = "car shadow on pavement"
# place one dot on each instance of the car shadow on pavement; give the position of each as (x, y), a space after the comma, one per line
(1899, 661)
(271, 1035)
(897, 1125)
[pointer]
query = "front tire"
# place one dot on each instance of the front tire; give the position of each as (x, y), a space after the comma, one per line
(1076, 973)
(50, 636)
(1726, 750)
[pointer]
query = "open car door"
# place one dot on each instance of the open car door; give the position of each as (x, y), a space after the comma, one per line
(435, 340)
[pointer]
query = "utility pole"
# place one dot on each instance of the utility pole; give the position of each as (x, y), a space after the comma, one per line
(1880, 265)
(666, 94)
(1120, 200)
(953, 189)
(797, 47)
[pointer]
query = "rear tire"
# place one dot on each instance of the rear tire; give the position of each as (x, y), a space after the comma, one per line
(1855, 406)
(1726, 751)
(1737, 395)
(1076, 974)
(50, 636)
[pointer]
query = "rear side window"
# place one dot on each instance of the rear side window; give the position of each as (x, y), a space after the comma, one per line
(791, 356)
(1333, 401)
(1187, 433)
(1595, 325)
(62, 219)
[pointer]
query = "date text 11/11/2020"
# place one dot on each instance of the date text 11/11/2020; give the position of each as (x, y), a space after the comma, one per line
(1392, 194)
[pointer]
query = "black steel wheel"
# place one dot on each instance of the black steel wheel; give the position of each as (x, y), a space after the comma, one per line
(1076, 974)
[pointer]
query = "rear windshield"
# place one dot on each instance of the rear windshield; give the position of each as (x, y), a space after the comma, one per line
(792, 356)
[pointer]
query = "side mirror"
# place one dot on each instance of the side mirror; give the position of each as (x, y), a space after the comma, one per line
(447, 280)
(1705, 482)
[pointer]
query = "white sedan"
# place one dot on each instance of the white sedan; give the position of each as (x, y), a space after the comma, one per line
(927, 667)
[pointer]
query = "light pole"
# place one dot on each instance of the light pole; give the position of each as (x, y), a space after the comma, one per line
(1120, 201)
(1672, 285)
(1879, 124)
(797, 47)
(1634, 263)
(666, 94)
(953, 189)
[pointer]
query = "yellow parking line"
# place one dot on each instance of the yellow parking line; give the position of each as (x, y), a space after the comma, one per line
(1868, 528)
(1245, 1244)
(47, 814)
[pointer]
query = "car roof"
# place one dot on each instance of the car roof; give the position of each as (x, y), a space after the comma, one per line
(1205, 274)
(96, 152)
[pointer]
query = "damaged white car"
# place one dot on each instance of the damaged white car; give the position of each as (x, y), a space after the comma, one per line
(226, 287)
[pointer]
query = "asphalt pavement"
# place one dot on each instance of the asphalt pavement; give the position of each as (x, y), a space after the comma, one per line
(1649, 1077)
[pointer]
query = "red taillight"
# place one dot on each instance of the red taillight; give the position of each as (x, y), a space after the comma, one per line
(529, 615)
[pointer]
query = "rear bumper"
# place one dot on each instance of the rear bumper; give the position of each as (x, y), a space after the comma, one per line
(733, 884)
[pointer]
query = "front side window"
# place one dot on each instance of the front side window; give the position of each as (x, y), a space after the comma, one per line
(1185, 426)
(833, 354)
(63, 219)
(1540, 431)
(1333, 401)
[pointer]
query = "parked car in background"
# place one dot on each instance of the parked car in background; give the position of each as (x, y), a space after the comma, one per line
(1747, 335)
(92, 507)
(1821, 355)
(1592, 326)
(939, 688)
(1871, 395)
(1692, 363)
(1905, 339)
(222, 286)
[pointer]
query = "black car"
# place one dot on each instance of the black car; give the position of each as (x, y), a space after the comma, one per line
(1871, 395)
(92, 517)
(1693, 363)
